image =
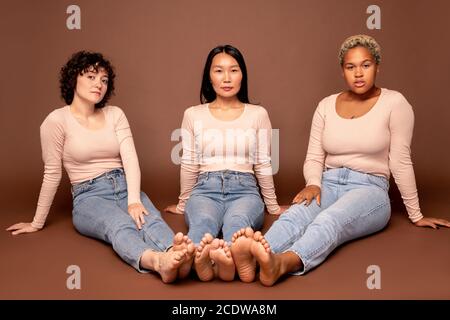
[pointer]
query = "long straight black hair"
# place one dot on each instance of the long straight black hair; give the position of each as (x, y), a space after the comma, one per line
(207, 93)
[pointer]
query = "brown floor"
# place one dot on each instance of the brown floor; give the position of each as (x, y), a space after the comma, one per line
(414, 262)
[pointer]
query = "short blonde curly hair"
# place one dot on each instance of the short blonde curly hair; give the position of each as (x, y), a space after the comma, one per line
(360, 40)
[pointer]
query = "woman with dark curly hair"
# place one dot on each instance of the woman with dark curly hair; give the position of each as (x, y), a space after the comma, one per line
(95, 144)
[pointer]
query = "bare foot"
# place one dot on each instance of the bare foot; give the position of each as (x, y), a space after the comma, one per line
(182, 242)
(270, 266)
(165, 263)
(220, 253)
(202, 261)
(243, 258)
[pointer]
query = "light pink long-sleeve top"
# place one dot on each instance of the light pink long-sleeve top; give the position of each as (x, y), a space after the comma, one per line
(85, 154)
(376, 143)
(243, 145)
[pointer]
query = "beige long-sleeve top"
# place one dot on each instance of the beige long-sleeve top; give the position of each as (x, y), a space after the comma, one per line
(376, 143)
(85, 154)
(243, 145)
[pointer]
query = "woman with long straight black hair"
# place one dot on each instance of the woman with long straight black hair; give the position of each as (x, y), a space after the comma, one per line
(226, 164)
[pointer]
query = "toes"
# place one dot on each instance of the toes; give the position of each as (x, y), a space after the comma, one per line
(248, 232)
(215, 243)
(178, 238)
(178, 255)
(208, 237)
(190, 248)
(227, 250)
(239, 233)
(228, 253)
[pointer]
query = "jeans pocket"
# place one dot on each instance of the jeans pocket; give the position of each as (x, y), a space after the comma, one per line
(200, 181)
(248, 181)
(79, 189)
(378, 181)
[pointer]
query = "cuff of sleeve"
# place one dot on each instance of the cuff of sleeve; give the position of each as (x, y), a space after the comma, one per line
(416, 218)
(181, 206)
(273, 209)
(37, 225)
(134, 200)
(314, 181)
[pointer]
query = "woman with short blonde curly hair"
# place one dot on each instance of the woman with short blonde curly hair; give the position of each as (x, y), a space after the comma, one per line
(358, 138)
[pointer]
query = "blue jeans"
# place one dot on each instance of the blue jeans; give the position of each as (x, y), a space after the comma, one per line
(227, 200)
(353, 205)
(100, 210)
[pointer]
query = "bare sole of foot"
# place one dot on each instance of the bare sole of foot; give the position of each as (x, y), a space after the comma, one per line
(220, 253)
(243, 258)
(269, 265)
(182, 242)
(168, 263)
(202, 261)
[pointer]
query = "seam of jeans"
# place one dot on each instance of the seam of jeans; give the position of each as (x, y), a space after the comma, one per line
(289, 241)
(335, 239)
(156, 242)
(366, 215)
(319, 249)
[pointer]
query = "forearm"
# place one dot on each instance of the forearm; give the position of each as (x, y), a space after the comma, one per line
(264, 176)
(132, 170)
(47, 194)
(188, 179)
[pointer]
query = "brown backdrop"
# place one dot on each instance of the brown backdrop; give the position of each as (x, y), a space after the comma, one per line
(158, 48)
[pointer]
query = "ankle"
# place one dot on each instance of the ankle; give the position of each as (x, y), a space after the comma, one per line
(150, 260)
(292, 262)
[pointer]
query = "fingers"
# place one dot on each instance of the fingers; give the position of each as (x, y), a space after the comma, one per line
(25, 229)
(429, 223)
(141, 218)
(19, 231)
(299, 198)
(15, 226)
(138, 222)
(138, 219)
(138, 213)
(433, 223)
(308, 198)
(442, 222)
(318, 199)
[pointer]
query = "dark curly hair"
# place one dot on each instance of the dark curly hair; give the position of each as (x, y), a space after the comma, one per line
(78, 64)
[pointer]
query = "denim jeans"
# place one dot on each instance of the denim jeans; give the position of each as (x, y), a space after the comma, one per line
(100, 210)
(353, 205)
(227, 200)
